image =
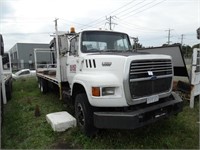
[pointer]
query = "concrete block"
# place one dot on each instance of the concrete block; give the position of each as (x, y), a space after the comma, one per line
(61, 121)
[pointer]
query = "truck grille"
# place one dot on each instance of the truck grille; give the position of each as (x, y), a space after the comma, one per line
(148, 77)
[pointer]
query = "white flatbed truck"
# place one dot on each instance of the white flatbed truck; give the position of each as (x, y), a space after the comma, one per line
(109, 85)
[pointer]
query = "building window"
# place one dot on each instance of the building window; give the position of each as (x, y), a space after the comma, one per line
(15, 55)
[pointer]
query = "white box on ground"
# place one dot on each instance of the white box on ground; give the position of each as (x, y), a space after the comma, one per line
(60, 121)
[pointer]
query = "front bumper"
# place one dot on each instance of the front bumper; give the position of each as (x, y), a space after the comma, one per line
(140, 117)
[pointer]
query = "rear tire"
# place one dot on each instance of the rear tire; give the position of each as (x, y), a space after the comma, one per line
(2, 108)
(39, 83)
(84, 115)
(43, 86)
(9, 90)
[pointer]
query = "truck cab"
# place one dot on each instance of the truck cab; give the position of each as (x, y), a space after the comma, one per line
(112, 86)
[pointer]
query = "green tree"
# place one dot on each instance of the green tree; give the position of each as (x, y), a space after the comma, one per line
(138, 46)
(187, 50)
(196, 46)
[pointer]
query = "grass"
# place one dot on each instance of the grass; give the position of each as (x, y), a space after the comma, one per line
(22, 130)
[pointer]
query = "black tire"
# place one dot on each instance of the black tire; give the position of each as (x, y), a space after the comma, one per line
(9, 90)
(84, 115)
(43, 86)
(39, 84)
(2, 108)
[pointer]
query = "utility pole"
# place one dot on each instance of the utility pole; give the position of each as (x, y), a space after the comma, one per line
(58, 56)
(109, 19)
(182, 37)
(169, 36)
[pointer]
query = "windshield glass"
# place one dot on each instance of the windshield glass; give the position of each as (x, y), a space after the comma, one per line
(97, 41)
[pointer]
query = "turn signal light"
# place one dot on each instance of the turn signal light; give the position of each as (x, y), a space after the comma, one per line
(96, 91)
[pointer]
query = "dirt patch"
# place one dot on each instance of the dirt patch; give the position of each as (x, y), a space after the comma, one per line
(65, 144)
(62, 146)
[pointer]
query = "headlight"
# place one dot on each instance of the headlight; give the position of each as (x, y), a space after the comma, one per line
(108, 91)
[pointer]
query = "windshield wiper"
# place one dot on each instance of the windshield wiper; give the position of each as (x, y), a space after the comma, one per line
(120, 51)
(130, 50)
(112, 50)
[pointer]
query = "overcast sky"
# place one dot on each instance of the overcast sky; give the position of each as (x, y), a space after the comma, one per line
(31, 21)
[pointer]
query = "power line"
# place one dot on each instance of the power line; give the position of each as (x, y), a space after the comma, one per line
(100, 21)
(93, 23)
(137, 26)
(73, 22)
(84, 26)
(130, 7)
(143, 9)
(25, 34)
(137, 8)
(122, 6)
(97, 20)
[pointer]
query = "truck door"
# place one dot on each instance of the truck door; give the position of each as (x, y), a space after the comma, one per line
(195, 75)
(2, 80)
(72, 60)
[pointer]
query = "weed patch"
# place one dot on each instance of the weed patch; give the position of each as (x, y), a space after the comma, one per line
(23, 130)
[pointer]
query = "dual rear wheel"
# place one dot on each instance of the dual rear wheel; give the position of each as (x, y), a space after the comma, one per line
(43, 85)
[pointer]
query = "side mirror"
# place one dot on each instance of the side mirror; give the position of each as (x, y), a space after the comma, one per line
(63, 44)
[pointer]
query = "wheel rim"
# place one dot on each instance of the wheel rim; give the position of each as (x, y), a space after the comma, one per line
(80, 115)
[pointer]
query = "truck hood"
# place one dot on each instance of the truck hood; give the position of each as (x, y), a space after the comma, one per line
(126, 54)
(115, 63)
(115, 70)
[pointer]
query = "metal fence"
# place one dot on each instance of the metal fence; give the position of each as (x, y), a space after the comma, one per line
(19, 66)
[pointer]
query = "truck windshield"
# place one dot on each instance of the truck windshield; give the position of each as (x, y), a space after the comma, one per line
(102, 41)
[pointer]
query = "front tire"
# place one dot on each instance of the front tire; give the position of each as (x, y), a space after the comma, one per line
(84, 115)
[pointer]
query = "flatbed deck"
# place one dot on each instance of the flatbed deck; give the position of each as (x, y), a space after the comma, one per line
(49, 75)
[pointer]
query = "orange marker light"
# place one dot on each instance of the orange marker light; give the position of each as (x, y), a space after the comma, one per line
(96, 91)
(72, 30)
